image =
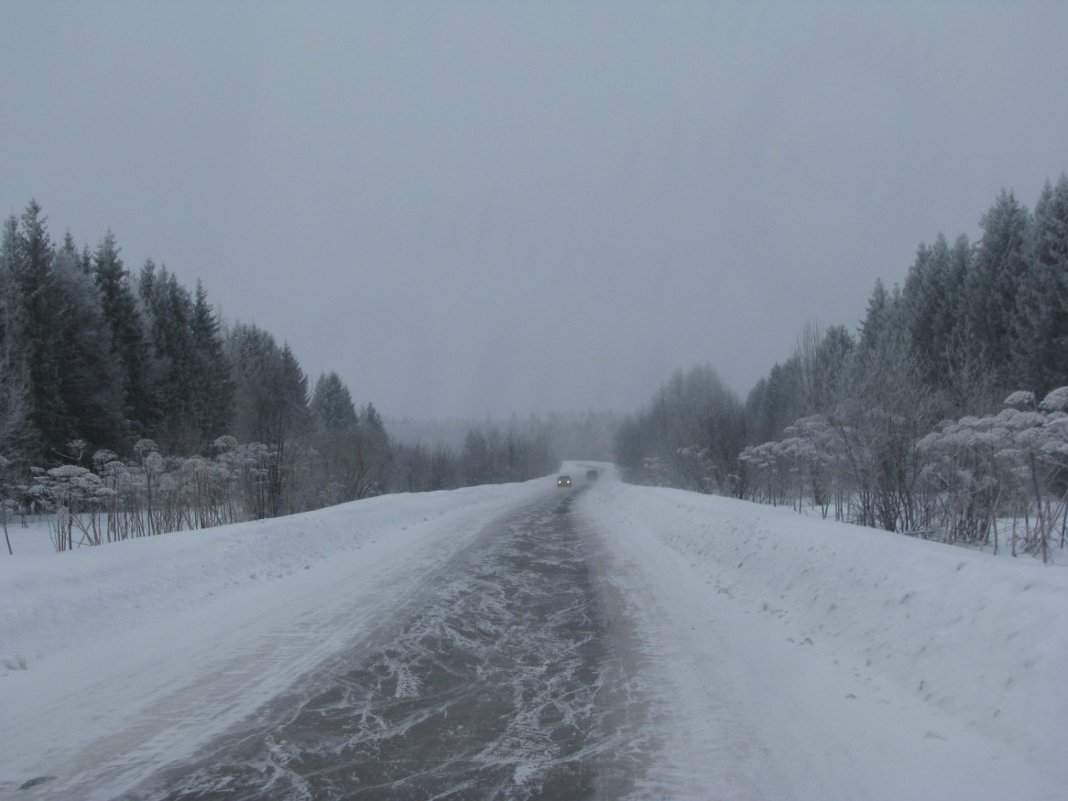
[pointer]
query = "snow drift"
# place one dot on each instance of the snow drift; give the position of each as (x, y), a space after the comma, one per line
(887, 649)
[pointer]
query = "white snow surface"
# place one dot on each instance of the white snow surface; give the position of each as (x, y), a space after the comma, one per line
(782, 657)
(807, 659)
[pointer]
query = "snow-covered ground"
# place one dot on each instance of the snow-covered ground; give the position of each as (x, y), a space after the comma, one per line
(130, 655)
(779, 656)
(809, 659)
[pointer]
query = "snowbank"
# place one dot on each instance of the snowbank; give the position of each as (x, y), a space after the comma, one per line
(872, 637)
(55, 602)
(117, 659)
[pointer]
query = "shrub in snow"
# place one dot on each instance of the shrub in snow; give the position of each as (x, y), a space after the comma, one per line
(151, 493)
(984, 469)
(971, 480)
(806, 463)
(1021, 400)
(1055, 401)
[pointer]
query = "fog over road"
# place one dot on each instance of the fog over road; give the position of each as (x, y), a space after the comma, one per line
(500, 678)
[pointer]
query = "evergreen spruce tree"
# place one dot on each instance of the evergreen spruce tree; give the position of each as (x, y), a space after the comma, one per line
(877, 319)
(270, 404)
(271, 390)
(1040, 332)
(34, 323)
(780, 401)
(293, 390)
(9, 300)
(933, 310)
(1000, 266)
(921, 298)
(250, 351)
(169, 312)
(87, 367)
(129, 346)
(372, 425)
(16, 434)
(331, 405)
(213, 385)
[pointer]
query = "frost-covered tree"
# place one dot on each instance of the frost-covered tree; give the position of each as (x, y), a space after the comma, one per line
(807, 383)
(335, 442)
(57, 355)
(412, 467)
(292, 389)
(822, 362)
(476, 461)
(776, 401)
(878, 318)
(252, 353)
(933, 310)
(14, 426)
(87, 367)
(331, 404)
(375, 453)
(886, 407)
(270, 401)
(129, 347)
(1001, 262)
(168, 310)
(490, 455)
(34, 318)
(689, 436)
(212, 387)
(1040, 332)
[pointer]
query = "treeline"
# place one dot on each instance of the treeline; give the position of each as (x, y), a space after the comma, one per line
(570, 435)
(92, 354)
(942, 416)
(489, 455)
(128, 407)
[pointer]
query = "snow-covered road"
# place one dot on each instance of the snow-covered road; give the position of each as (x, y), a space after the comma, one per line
(624, 641)
(497, 680)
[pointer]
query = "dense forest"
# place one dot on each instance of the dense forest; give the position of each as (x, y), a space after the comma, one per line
(943, 416)
(128, 407)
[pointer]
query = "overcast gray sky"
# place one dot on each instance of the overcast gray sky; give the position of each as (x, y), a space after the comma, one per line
(469, 208)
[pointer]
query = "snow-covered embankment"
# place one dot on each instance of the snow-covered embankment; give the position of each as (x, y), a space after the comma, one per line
(117, 659)
(841, 661)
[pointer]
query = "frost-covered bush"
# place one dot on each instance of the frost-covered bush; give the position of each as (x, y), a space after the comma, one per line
(1008, 466)
(152, 493)
(977, 480)
(815, 460)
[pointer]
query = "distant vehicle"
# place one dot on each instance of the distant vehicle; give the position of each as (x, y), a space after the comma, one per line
(563, 481)
(591, 475)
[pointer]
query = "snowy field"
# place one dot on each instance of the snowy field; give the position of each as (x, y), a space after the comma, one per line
(778, 656)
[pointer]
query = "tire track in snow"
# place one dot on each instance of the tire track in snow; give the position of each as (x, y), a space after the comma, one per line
(501, 682)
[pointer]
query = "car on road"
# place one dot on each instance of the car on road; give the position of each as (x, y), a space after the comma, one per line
(591, 475)
(563, 481)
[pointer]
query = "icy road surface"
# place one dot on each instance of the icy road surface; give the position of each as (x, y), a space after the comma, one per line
(498, 679)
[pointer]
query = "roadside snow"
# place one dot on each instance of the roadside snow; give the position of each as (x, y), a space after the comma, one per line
(801, 658)
(784, 657)
(116, 659)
